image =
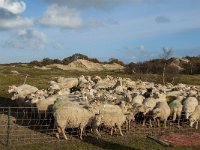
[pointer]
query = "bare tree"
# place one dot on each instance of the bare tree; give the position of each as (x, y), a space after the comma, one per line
(167, 53)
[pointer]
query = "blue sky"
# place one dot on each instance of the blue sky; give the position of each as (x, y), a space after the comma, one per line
(130, 30)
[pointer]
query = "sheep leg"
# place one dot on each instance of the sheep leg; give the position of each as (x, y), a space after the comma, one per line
(179, 122)
(129, 125)
(158, 122)
(143, 124)
(197, 124)
(174, 116)
(111, 132)
(57, 134)
(150, 122)
(63, 132)
(81, 134)
(97, 131)
(120, 130)
(165, 123)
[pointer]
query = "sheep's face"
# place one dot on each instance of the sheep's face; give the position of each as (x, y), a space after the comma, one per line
(36, 99)
(30, 96)
(192, 121)
(12, 89)
(156, 113)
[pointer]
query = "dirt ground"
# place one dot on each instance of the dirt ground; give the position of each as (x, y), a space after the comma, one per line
(182, 139)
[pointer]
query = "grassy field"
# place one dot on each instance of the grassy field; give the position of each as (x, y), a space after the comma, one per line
(128, 142)
(40, 79)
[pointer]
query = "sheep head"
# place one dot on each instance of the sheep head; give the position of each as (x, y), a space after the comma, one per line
(192, 121)
(12, 89)
(156, 113)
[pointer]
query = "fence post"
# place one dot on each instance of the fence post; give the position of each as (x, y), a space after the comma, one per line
(8, 128)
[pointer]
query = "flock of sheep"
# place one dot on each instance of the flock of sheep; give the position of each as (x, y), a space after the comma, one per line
(92, 102)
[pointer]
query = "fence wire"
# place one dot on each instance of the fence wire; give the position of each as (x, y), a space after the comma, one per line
(21, 126)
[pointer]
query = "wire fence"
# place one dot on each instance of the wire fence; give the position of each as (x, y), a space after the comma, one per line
(21, 126)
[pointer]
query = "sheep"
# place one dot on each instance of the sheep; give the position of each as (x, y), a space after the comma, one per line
(176, 108)
(195, 117)
(174, 93)
(111, 116)
(38, 93)
(189, 105)
(161, 112)
(62, 79)
(118, 87)
(138, 99)
(71, 82)
(109, 119)
(128, 82)
(82, 79)
(106, 83)
(193, 93)
(136, 108)
(70, 115)
(44, 104)
(160, 97)
(20, 94)
(149, 104)
(146, 108)
(24, 87)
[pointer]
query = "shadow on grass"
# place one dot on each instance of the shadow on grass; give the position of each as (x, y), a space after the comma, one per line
(101, 143)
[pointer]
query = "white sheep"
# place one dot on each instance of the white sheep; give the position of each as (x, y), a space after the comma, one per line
(20, 94)
(189, 105)
(110, 120)
(70, 115)
(24, 87)
(195, 117)
(176, 108)
(161, 112)
(69, 83)
(111, 116)
(138, 99)
(146, 108)
(44, 104)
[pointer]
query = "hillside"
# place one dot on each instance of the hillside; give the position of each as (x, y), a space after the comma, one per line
(84, 65)
(186, 65)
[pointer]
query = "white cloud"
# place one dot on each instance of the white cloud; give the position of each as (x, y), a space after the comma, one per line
(16, 22)
(27, 39)
(10, 18)
(61, 16)
(14, 6)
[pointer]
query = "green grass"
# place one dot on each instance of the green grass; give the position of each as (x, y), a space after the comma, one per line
(128, 142)
(40, 79)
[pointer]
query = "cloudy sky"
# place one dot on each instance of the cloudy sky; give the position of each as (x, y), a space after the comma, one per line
(130, 30)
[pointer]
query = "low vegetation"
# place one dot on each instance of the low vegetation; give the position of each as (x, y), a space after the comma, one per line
(40, 79)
